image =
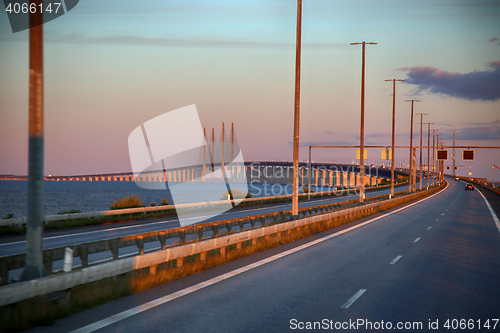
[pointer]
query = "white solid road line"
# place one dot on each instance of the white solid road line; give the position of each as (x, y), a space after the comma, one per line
(146, 306)
(395, 260)
(353, 299)
(492, 212)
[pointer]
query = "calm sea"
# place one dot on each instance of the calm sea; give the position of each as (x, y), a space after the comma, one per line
(97, 196)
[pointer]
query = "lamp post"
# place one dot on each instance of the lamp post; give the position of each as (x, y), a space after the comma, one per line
(420, 161)
(428, 153)
(411, 182)
(296, 122)
(441, 164)
(362, 129)
(433, 156)
(393, 130)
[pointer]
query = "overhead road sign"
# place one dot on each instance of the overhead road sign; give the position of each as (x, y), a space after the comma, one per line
(468, 155)
(442, 155)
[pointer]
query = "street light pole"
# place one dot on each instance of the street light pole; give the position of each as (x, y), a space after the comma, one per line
(440, 163)
(393, 130)
(296, 122)
(428, 153)
(420, 161)
(34, 229)
(362, 129)
(411, 182)
(434, 180)
(310, 174)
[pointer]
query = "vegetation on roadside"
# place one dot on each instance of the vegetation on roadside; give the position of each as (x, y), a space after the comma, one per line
(8, 216)
(164, 202)
(305, 189)
(71, 211)
(236, 194)
(132, 201)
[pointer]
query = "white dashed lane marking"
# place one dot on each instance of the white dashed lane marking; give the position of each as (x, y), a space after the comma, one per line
(353, 299)
(395, 260)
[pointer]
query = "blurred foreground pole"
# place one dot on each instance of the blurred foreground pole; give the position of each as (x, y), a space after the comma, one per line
(296, 118)
(34, 230)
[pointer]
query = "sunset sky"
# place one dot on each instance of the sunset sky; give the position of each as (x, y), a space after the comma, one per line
(112, 65)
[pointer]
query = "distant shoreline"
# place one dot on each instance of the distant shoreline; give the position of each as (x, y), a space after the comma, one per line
(13, 177)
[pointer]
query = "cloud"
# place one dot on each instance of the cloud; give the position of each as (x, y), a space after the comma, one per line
(476, 131)
(198, 42)
(494, 39)
(325, 143)
(477, 85)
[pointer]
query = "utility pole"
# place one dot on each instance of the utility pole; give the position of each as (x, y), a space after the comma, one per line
(393, 130)
(296, 121)
(420, 161)
(232, 142)
(34, 229)
(411, 182)
(362, 127)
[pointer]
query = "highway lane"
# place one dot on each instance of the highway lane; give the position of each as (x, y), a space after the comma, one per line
(71, 237)
(430, 262)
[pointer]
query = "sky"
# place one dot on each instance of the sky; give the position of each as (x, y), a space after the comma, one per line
(109, 66)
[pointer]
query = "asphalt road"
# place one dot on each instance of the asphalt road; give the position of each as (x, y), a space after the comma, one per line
(431, 264)
(16, 245)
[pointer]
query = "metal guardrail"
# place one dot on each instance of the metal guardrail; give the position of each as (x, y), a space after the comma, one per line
(175, 236)
(196, 205)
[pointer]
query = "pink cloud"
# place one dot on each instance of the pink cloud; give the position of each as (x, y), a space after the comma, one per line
(494, 39)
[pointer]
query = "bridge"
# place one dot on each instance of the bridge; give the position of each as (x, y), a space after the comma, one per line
(260, 172)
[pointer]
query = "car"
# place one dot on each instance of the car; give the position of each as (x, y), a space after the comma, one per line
(469, 187)
(457, 178)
